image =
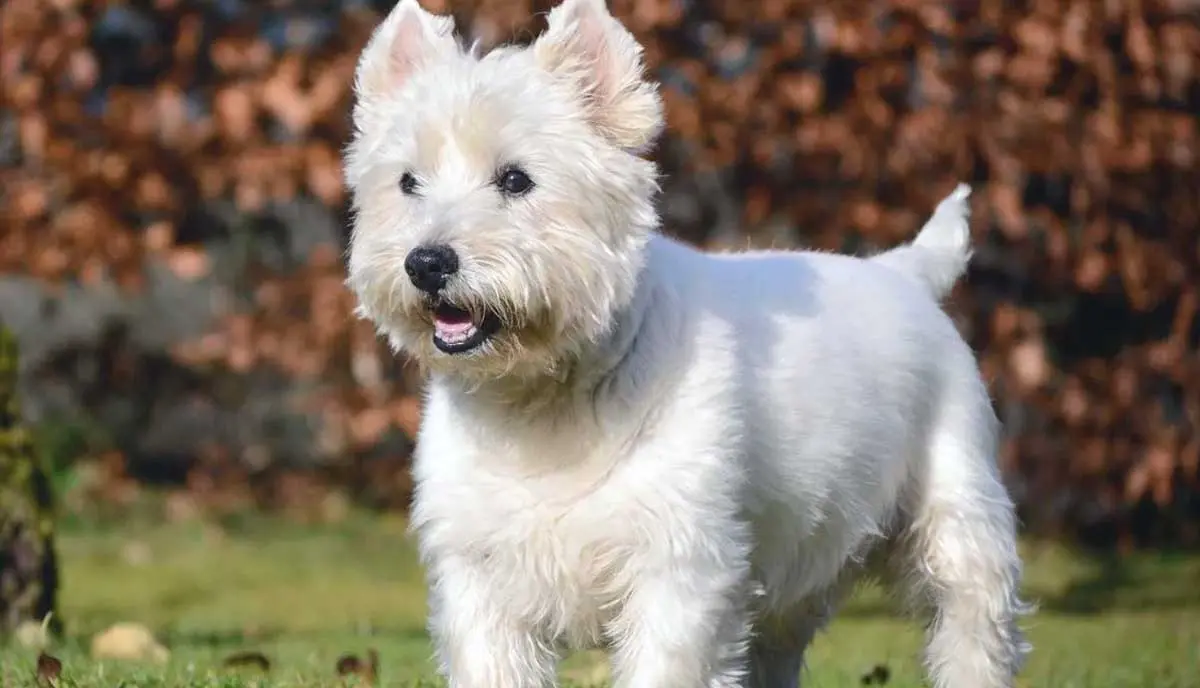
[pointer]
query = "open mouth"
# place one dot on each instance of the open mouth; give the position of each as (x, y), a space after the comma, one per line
(457, 331)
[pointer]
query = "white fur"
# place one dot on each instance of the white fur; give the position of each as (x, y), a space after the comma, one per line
(685, 458)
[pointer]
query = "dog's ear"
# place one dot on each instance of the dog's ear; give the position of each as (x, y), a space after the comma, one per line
(408, 38)
(586, 45)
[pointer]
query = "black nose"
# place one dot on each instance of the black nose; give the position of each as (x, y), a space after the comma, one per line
(429, 266)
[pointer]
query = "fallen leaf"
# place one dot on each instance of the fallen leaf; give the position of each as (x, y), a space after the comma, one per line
(879, 675)
(48, 669)
(351, 665)
(247, 659)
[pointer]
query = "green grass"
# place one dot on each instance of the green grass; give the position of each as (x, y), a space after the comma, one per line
(305, 595)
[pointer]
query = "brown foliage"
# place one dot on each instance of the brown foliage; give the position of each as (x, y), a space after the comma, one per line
(831, 124)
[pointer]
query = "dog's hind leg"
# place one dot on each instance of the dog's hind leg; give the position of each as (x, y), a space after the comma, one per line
(776, 658)
(772, 666)
(961, 548)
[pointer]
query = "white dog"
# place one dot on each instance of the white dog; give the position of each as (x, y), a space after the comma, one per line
(681, 457)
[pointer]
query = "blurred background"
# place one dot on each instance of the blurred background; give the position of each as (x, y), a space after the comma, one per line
(173, 221)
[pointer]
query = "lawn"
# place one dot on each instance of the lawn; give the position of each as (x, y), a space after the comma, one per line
(305, 596)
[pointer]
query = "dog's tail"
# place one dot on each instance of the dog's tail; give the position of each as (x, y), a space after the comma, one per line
(938, 257)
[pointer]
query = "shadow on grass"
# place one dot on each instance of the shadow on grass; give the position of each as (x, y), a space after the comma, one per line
(1149, 583)
(1076, 584)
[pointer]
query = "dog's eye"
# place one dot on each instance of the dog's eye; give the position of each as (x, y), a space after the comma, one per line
(514, 181)
(408, 184)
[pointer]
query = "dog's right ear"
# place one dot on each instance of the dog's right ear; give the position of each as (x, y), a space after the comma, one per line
(408, 38)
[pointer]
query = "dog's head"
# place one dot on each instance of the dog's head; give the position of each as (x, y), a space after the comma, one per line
(501, 201)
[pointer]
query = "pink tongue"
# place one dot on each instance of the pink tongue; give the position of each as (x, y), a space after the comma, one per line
(454, 330)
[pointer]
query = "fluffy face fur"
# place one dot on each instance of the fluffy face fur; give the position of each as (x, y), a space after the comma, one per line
(552, 265)
(627, 443)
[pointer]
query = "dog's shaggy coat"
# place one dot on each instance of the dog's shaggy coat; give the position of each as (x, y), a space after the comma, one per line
(685, 458)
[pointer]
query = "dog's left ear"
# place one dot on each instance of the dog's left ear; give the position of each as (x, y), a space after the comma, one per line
(586, 45)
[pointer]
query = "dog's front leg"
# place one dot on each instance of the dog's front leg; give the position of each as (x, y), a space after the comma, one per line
(481, 640)
(684, 625)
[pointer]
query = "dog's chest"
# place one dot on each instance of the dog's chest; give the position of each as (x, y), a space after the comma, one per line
(559, 547)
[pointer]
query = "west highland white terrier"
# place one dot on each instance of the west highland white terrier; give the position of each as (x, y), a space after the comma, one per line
(681, 457)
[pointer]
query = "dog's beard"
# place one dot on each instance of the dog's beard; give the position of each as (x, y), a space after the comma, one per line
(509, 315)
(477, 336)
